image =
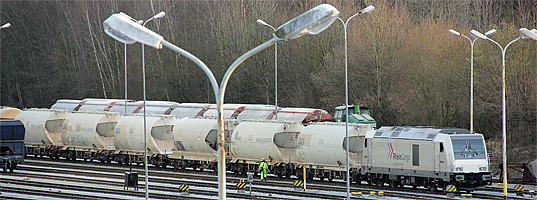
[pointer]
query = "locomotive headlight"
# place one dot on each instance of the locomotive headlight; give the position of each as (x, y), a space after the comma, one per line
(482, 169)
(459, 169)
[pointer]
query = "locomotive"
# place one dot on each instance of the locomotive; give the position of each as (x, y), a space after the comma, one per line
(425, 156)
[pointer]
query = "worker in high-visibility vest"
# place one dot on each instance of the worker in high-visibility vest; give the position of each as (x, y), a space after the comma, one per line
(263, 168)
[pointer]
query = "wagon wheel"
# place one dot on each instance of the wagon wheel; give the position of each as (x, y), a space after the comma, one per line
(392, 184)
(13, 166)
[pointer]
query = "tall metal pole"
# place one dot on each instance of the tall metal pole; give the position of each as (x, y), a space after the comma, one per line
(347, 176)
(159, 15)
(276, 81)
(261, 22)
(220, 102)
(126, 76)
(145, 129)
(504, 121)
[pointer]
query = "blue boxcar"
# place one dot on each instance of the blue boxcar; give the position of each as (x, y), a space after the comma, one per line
(11, 143)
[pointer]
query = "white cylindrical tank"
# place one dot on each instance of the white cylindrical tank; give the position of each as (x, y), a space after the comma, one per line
(323, 144)
(129, 134)
(90, 130)
(9, 112)
(276, 141)
(197, 138)
(43, 126)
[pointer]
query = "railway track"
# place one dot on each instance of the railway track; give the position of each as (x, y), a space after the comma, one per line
(56, 179)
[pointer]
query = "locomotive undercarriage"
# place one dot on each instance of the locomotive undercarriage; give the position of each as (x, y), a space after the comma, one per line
(395, 181)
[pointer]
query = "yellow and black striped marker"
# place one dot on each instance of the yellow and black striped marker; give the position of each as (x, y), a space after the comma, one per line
(183, 188)
(241, 185)
(357, 193)
(298, 184)
(519, 188)
(451, 188)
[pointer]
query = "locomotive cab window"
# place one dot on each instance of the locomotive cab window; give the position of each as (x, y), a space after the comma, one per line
(441, 147)
(468, 147)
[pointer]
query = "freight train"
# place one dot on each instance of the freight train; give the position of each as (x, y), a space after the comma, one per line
(397, 156)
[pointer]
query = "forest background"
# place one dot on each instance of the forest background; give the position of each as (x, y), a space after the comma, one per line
(402, 61)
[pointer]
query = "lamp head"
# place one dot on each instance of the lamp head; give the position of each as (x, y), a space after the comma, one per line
(311, 22)
(453, 32)
(7, 25)
(125, 29)
(261, 22)
(161, 14)
(492, 31)
(368, 9)
(477, 34)
(527, 34)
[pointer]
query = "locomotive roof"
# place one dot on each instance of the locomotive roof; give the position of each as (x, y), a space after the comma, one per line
(414, 132)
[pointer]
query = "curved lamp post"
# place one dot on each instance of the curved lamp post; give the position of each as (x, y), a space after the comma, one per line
(125, 29)
(363, 11)
(311, 22)
(524, 34)
(453, 32)
(261, 22)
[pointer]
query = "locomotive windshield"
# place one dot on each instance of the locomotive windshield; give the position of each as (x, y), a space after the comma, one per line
(466, 147)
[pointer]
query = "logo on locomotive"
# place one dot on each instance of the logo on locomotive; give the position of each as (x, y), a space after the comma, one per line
(395, 155)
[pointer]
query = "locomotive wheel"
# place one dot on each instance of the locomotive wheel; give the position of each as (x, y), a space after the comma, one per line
(330, 178)
(380, 183)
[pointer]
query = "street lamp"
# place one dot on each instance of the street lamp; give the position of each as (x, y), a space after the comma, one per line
(261, 22)
(6, 25)
(363, 11)
(113, 27)
(453, 32)
(311, 22)
(524, 34)
(124, 29)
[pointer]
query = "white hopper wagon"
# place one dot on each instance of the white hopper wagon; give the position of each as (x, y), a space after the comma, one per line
(43, 130)
(196, 141)
(276, 141)
(322, 148)
(129, 137)
(89, 135)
